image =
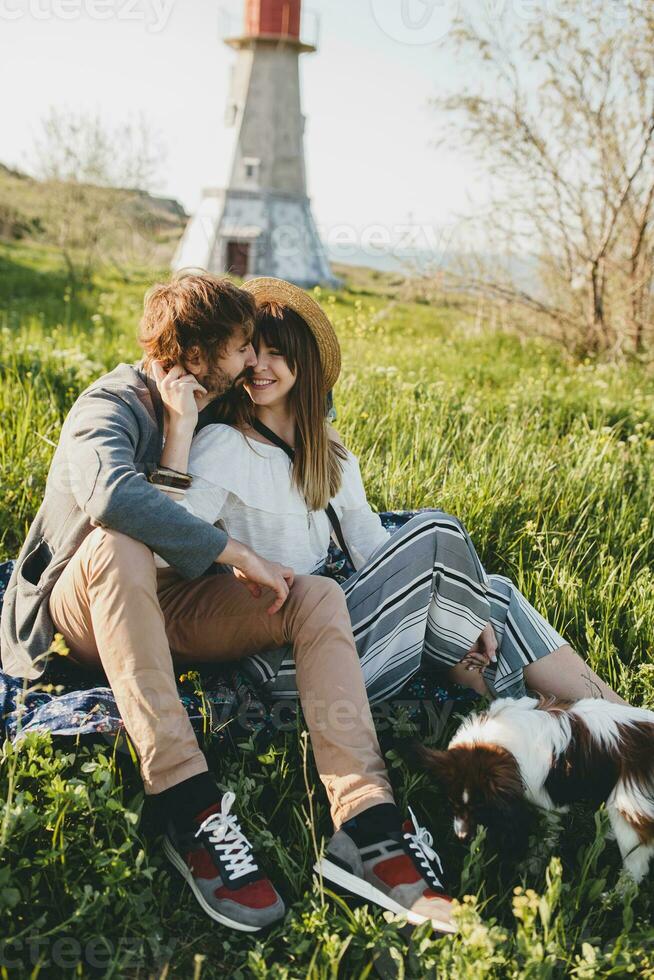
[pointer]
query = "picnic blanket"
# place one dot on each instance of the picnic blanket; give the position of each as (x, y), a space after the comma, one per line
(221, 702)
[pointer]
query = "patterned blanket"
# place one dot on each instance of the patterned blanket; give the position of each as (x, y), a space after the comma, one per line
(220, 702)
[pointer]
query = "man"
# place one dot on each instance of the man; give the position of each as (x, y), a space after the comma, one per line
(88, 570)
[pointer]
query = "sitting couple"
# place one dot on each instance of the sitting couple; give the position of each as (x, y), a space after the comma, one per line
(189, 501)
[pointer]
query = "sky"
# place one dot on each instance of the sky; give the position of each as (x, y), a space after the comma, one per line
(370, 132)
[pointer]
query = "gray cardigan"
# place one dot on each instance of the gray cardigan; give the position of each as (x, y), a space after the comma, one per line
(110, 441)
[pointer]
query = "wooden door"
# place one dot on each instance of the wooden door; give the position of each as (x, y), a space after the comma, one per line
(238, 258)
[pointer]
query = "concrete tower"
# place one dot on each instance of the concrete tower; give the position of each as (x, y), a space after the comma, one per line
(261, 224)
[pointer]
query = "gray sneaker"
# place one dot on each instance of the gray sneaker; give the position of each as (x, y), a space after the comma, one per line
(216, 860)
(402, 873)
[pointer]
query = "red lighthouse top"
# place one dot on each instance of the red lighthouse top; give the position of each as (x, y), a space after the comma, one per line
(273, 18)
(272, 22)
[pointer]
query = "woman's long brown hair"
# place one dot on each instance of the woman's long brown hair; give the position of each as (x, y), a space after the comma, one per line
(318, 463)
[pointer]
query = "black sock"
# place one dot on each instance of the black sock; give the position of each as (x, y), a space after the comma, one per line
(374, 824)
(184, 801)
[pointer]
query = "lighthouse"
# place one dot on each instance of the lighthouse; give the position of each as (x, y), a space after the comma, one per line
(261, 223)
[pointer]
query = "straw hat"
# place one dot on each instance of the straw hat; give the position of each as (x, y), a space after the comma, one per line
(268, 290)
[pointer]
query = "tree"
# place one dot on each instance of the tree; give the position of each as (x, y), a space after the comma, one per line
(561, 111)
(91, 171)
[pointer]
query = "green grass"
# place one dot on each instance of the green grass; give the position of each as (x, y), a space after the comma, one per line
(548, 462)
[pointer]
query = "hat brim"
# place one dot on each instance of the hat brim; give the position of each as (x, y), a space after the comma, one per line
(266, 289)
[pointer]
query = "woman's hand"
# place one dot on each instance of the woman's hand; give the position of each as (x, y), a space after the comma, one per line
(483, 651)
(180, 393)
(257, 574)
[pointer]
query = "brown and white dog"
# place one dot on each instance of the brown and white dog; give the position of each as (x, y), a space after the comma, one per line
(552, 754)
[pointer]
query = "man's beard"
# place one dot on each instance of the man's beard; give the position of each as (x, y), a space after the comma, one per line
(218, 383)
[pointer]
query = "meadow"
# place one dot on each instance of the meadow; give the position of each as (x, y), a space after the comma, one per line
(550, 464)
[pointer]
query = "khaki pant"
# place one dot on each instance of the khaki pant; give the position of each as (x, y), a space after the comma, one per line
(118, 612)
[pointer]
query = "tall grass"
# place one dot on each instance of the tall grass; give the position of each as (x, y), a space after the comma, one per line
(549, 464)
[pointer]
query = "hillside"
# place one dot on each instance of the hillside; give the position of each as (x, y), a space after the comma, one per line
(27, 203)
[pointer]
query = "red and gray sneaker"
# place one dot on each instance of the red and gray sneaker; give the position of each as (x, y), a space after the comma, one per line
(401, 872)
(216, 860)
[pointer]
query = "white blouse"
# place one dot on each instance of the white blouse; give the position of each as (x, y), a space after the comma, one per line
(246, 486)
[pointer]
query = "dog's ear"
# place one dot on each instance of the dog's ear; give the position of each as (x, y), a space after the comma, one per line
(436, 761)
(503, 777)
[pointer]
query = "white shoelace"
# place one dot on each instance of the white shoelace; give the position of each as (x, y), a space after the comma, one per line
(227, 837)
(422, 843)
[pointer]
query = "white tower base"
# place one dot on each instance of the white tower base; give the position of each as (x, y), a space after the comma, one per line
(256, 233)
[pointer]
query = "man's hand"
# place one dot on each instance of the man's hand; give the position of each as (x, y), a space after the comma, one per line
(257, 574)
(180, 393)
(483, 651)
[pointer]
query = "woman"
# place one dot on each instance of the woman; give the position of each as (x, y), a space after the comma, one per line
(420, 597)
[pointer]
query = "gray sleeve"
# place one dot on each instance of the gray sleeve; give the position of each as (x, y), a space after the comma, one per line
(103, 434)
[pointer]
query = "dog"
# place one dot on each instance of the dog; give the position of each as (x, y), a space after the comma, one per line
(553, 753)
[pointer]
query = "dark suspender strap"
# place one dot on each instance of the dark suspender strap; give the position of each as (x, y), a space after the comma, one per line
(276, 440)
(336, 524)
(271, 436)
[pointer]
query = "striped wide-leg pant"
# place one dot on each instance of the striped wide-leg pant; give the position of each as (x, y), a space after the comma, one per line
(421, 600)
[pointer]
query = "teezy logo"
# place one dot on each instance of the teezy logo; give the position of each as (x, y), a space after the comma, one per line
(415, 21)
(153, 14)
